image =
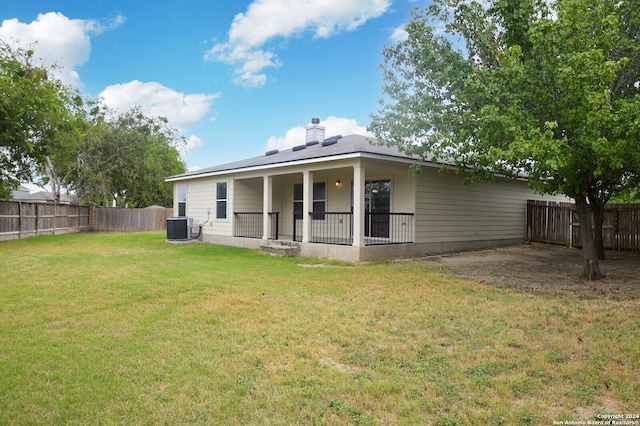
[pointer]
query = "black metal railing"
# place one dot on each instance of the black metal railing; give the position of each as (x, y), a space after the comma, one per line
(337, 228)
(250, 225)
(297, 226)
(388, 228)
(332, 228)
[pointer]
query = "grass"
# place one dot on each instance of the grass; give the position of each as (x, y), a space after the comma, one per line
(127, 329)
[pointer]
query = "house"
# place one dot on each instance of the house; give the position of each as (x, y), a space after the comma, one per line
(345, 198)
(20, 192)
(45, 197)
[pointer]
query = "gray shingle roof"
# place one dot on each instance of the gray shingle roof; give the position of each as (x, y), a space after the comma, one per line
(45, 197)
(344, 146)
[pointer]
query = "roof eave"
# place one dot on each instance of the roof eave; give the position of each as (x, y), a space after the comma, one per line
(368, 155)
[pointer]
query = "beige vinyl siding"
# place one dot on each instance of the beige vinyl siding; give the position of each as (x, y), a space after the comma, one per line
(279, 191)
(247, 195)
(201, 202)
(175, 197)
(449, 211)
(403, 191)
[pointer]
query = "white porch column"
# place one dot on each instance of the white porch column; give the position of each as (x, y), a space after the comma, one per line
(358, 205)
(307, 205)
(267, 205)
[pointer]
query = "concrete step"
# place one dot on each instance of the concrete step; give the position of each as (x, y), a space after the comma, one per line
(282, 248)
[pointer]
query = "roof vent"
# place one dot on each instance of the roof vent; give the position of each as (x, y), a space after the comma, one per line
(310, 143)
(299, 147)
(315, 121)
(272, 152)
(330, 141)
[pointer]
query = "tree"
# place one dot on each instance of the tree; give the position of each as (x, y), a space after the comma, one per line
(63, 143)
(33, 107)
(47, 132)
(124, 157)
(150, 154)
(522, 87)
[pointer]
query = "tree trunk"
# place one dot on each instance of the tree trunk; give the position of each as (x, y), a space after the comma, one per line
(598, 222)
(589, 253)
(53, 179)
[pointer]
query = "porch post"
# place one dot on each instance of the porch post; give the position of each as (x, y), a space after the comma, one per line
(358, 205)
(267, 205)
(307, 205)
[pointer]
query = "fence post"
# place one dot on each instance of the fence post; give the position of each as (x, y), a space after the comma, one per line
(37, 217)
(19, 220)
(528, 224)
(92, 216)
(616, 225)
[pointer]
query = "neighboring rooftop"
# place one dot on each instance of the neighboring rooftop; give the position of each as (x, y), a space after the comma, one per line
(45, 197)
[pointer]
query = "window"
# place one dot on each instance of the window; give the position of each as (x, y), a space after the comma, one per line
(182, 200)
(221, 200)
(297, 200)
(377, 195)
(318, 202)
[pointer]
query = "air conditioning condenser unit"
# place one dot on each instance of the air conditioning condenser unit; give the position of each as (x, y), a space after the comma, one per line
(179, 228)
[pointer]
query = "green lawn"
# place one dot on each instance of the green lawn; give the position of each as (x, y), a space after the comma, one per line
(127, 329)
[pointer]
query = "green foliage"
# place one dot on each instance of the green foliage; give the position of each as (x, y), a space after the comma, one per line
(550, 91)
(33, 109)
(125, 157)
(631, 195)
(47, 132)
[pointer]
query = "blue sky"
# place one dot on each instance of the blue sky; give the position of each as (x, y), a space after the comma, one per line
(237, 78)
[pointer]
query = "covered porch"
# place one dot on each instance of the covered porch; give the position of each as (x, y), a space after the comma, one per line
(358, 205)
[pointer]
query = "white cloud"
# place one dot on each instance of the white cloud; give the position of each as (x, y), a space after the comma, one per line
(266, 20)
(334, 126)
(399, 34)
(293, 137)
(57, 40)
(193, 143)
(182, 110)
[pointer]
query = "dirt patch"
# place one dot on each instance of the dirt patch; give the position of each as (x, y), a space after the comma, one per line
(539, 267)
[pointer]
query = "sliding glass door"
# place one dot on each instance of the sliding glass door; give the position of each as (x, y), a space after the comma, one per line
(377, 206)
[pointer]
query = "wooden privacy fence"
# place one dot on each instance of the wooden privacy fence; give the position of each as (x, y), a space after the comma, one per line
(28, 219)
(557, 223)
(118, 219)
(19, 219)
